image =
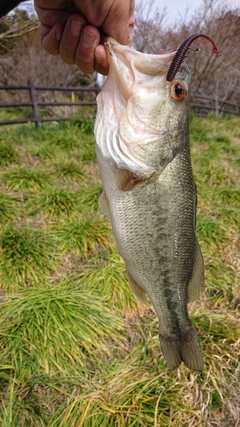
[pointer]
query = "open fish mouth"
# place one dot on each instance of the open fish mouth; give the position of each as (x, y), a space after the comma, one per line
(137, 88)
(129, 65)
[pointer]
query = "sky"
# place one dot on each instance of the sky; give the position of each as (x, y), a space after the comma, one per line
(174, 7)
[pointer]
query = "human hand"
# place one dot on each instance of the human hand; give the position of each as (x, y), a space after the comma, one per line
(73, 29)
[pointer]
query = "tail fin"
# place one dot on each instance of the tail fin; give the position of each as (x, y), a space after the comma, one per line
(185, 349)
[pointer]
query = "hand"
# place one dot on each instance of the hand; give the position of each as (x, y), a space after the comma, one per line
(73, 29)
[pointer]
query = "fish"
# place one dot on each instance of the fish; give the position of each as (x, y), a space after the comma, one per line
(143, 152)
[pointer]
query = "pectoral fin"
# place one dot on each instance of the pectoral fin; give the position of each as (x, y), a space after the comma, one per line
(137, 290)
(130, 180)
(196, 285)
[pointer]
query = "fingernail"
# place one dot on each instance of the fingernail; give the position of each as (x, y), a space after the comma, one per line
(88, 38)
(58, 36)
(76, 28)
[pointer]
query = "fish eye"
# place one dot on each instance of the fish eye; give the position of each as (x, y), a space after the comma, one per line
(178, 91)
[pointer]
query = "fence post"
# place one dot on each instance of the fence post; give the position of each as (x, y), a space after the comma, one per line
(216, 105)
(33, 98)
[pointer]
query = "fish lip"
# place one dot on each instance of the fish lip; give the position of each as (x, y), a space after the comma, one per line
(112, 45)
(131, 65)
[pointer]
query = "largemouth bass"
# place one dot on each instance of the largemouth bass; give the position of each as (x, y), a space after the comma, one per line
(142, 143)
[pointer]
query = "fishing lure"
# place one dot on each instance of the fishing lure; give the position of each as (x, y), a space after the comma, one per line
(181, 52)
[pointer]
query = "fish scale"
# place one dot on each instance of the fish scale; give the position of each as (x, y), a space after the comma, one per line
(153, 213)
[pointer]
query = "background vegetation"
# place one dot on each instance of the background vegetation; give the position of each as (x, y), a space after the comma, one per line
(77, 349)
(22, 58)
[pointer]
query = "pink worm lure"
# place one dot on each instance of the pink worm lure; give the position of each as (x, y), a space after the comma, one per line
(181, 52)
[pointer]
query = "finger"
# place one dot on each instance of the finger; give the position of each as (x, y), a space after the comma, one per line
(85, 52)
(57, 5)
(51, 17)
(44, 30)
(101, 63)
(50, 38)
(70, 38)
(119, 23)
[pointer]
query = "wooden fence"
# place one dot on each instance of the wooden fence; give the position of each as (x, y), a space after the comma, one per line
(201, 104)
(35, 104)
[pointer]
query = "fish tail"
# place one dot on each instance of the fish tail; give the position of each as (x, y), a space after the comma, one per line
(184, 349)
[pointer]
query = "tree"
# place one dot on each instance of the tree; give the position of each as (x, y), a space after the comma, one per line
(14, 27)
(214, 18)
(23, 59)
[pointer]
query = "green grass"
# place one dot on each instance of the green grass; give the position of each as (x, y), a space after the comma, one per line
(34, 329)
(77, 349)
(7, 154)
(45, 151)
(55, 202)
(27, 255)
(68, 169)
(81, 234)
(23, 178)
(9, 208)
(106, 274)
(89, 196)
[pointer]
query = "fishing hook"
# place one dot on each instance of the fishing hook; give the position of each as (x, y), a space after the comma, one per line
(178, 58)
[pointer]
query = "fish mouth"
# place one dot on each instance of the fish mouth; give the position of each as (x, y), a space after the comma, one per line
(113, 47)
(130, 66)
(150, 64)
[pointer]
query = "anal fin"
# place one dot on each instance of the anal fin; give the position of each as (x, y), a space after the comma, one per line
(137, 290)
(196, 284)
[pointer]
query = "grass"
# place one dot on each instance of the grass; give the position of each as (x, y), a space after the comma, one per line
(22, 178)
(83, 235)
(34, 329)
(89, 196)
(54, 202)
(27, 255)
(106, 274)
(9, 207)
(8, 154)
(70, 169)
(77, 349)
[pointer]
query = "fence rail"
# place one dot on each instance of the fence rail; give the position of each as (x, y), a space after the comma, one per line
(218, 106)
(34, 103)
(201, 104)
